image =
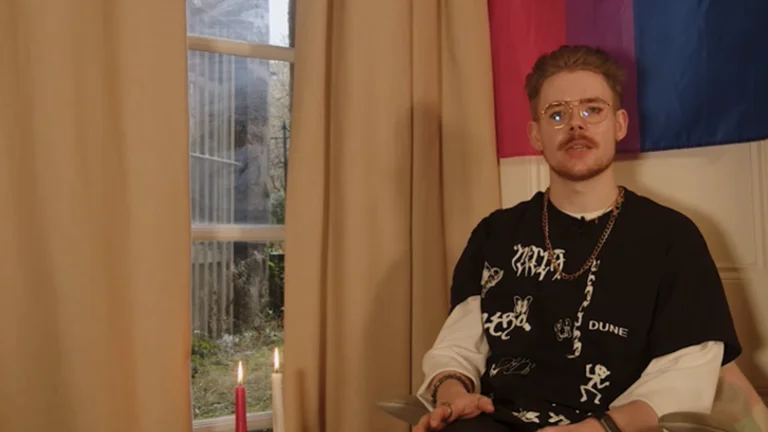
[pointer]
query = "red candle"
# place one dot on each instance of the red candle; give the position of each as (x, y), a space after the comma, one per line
(240, 421)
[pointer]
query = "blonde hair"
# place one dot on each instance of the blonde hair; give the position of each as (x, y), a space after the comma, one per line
(569, 58)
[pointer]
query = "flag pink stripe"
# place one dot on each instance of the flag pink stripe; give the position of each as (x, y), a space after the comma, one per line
(521, 30)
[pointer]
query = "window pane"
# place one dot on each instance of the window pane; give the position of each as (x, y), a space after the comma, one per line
(237, 314)
(259, 21)
(239, 138)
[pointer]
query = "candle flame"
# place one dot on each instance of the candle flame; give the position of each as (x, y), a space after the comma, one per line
(240, 373)
(277, 360)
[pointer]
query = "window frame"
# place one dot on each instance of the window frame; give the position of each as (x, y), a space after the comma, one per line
(237, 232)
(255, 421)
(252, 50)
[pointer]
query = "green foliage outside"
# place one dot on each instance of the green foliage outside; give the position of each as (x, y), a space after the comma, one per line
(214, 368)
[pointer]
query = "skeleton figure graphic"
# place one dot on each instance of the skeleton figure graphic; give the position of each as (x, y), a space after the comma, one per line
(491, 276)
(596, 382)
(558, 419)
(526, 416)
(563, 329)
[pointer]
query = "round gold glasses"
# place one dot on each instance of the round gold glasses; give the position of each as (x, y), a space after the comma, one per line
(558, 114)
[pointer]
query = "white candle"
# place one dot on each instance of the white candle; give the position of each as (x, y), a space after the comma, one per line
(278, 416)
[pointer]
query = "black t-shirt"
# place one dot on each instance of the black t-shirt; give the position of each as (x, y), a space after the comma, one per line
(565, 349)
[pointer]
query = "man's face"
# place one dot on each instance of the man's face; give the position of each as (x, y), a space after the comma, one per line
(579, 130)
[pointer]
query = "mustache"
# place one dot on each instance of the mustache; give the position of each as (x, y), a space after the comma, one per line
(576, 137)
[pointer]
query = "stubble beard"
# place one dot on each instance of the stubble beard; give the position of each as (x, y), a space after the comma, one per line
(564, 172)
(582, 175)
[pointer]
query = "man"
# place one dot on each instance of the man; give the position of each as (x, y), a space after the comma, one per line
(588, 307)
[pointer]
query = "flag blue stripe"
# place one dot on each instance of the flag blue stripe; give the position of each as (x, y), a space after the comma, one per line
(702, 72)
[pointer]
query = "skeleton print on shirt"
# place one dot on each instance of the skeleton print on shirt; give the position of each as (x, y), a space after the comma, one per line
(533, 261)
(501, 324)
(596, 382)
(580, 314)
(491, 276)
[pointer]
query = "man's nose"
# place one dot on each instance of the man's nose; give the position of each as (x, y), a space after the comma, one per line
(576, 123)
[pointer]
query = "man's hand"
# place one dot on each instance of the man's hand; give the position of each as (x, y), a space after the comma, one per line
(464, 406)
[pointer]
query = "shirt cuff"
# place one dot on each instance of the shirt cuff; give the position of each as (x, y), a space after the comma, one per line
(460, 347)
(685, 380)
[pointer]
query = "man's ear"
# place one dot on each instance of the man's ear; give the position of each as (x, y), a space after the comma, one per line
(622, 124)
(534, 136)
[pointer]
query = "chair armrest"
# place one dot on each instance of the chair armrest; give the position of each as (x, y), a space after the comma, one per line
(737, 402)
(694, 422)
(406, 408)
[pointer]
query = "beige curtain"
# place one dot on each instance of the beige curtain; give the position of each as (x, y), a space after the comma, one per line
(393, 162)
(94, 223)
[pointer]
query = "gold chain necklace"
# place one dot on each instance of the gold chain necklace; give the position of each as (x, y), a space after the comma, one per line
(551, 253)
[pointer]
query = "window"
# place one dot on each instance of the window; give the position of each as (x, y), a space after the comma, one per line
(240, 65)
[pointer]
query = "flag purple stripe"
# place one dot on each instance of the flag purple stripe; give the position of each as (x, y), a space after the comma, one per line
(609, 24)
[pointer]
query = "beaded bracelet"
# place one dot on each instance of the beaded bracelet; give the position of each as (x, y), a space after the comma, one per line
(443, 379)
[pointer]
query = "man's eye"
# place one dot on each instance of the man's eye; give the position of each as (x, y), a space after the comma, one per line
(556, 116)
(592, 110)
